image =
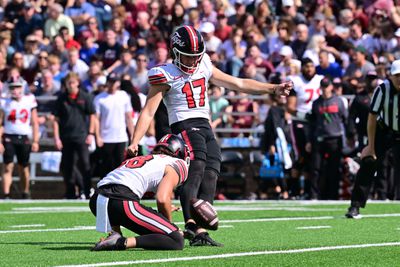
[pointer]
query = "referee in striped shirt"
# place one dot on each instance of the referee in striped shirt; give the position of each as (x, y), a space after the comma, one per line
(383, 133)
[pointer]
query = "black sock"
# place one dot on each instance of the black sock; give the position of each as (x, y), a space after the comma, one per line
(120, 245)
(191, 226)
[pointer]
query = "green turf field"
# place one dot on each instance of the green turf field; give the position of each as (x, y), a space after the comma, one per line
(48, 233)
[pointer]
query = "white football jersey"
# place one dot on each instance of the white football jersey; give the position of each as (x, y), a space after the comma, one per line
(17, 114)
(306, 91)
(144, 174)
(187, 97)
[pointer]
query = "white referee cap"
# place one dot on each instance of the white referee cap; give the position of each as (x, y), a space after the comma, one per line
(395, 68)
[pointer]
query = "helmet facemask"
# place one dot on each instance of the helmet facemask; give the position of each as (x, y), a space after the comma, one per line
(185, 68)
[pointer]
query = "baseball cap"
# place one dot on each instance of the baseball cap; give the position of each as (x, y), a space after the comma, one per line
(15, 84)
(287, 2)
(286, 51)
(325, 82)
(395, 68)
(361, 49)
(112, 77)
(319, 16)
(207, 27)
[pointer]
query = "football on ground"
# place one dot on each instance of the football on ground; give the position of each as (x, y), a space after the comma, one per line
(204, 214)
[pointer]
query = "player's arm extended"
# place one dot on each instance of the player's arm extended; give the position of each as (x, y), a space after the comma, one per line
(146, 115)
(249, 86)
(165, 191)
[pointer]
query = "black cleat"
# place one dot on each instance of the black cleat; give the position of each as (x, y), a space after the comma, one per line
(204, 239)
(26, 195)
(188, 234)
(353, 213)
(109, 243)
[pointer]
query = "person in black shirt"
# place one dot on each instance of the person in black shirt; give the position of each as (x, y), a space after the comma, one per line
(110, 51)
(383, 130)
(72, 135)
(327, 117)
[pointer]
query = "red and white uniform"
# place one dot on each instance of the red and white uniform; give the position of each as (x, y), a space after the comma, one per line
(144, 174)
(306, 91)
(187, 97)
(17, 114)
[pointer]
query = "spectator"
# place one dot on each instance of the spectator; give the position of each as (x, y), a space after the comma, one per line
(243, 104)
(240, 9)
(95, 78)
(26, 24)
(31, 52)
(17, 116)
(160, 55)
(264, 66)
(114, 112)
(92, 27)
(331, 37)
(56, 19)
(275, 43)
(59, 49)
(233, 51)
(46, 85)
(110, 51)
(122, 34)
(289, 65)
(316, 44)
(5, 44)
(346, 17)
(55, 67)
(89, 47)
(299, 44)
(127, 66)
(359, 63)
(69, 39)
(325, 68)
(218, 104)
(223, 30)
(318, 24)
(75, 64)
(139, 79)
(250, 72)
(213, 43)
(289, 8)
(80, 11)
(207, 12)
(358, 38)
(72, 134)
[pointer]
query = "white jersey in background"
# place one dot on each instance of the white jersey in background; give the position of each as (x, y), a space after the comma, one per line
(187, 97)
(17, 114)
(306, 91)
(144, 174)
(111, 109)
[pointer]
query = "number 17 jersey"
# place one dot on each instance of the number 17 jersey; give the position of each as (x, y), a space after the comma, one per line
(187, 97)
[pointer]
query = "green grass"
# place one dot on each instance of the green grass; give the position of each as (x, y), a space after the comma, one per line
(62, 247)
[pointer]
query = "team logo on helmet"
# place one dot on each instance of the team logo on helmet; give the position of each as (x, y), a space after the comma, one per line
(177, 39)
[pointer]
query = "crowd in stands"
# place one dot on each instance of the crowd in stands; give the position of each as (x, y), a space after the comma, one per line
(350, 43)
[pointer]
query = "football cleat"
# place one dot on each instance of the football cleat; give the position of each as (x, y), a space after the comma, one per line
(353, 213)
(109, 243)
(204, 239)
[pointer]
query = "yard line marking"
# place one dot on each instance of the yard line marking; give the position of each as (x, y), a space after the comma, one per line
(27, 225)
(241, 254)
(69, 209)
(225, 226)
(275, 202)
(313, 227)
(76, 228)
(79, 228)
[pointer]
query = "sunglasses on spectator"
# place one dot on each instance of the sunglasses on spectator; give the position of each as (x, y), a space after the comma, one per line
(141, 60)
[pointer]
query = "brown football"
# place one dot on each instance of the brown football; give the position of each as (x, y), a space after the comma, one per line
(204, 214)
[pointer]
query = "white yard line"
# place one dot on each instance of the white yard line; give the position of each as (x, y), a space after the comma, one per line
(314, 227)
(80, 228)
(275, 202)
(225, 226)
(38, 210)
(242, 254)
(76, 228)
(27, 225)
